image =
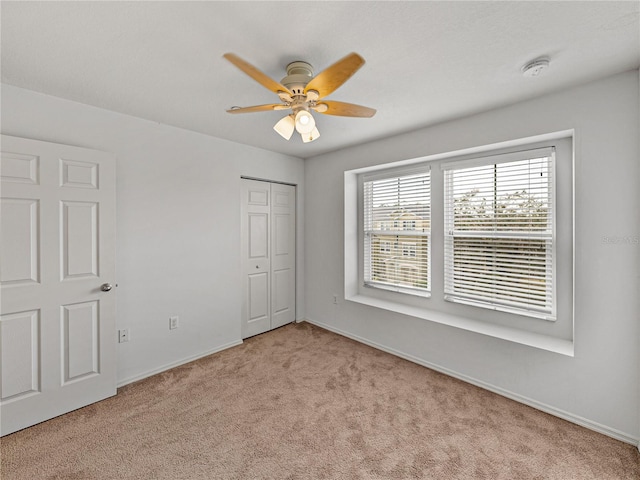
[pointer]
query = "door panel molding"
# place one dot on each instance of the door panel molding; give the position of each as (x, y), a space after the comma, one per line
(20, 334)
(20, 250)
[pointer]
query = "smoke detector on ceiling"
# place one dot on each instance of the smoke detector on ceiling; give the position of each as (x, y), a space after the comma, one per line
(536, 67)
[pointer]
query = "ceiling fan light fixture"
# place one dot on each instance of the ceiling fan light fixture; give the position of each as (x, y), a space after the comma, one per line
(305, 122)
(311, 136)
(285, 127)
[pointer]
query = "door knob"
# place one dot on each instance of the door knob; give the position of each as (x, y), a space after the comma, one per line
(106, 287)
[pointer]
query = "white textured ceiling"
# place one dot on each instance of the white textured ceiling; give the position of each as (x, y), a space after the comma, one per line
(427, 62)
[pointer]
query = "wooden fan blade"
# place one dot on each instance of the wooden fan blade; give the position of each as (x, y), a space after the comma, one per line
(343, 109)
(257, 108)
(331, 78)
(256, 74)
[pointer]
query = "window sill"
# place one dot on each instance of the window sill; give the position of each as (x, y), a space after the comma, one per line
(543, 342)
(393, 288)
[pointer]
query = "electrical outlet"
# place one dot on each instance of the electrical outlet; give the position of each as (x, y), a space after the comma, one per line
(173, 322)
(335, 299)
(123, 335)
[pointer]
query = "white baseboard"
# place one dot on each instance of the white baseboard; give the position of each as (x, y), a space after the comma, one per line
(584, 422)
(169, 366)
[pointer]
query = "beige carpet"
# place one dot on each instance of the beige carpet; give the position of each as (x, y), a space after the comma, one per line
(301, 402)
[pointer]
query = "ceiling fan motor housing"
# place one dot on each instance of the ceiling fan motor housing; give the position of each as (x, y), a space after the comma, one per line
(298, 75)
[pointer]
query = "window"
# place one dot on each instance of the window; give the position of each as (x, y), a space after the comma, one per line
(498, 236)
(500, 231)
(397, 216)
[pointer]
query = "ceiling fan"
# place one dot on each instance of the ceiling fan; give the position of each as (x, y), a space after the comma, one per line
(301, 92)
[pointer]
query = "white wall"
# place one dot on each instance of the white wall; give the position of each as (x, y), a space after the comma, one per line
(178, 223)
(599, 386)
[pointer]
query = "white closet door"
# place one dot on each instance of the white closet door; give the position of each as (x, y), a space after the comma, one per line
(268, 256)
(256, 257)
(283, 254)
(57, 322)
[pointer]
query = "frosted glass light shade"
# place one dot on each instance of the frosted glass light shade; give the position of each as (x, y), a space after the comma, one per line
(304, 122)
(310, 137)
(285, 127)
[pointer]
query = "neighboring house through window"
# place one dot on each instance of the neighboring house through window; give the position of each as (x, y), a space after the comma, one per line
(409, 249)
(385, 246)
(397, 258)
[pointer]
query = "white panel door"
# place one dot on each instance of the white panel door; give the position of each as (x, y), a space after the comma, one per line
(283, 258)
(256, 258)
(57, 253)
(268, 256)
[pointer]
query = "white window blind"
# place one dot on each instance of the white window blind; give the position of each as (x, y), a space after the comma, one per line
(397, 221)
(500, 231)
